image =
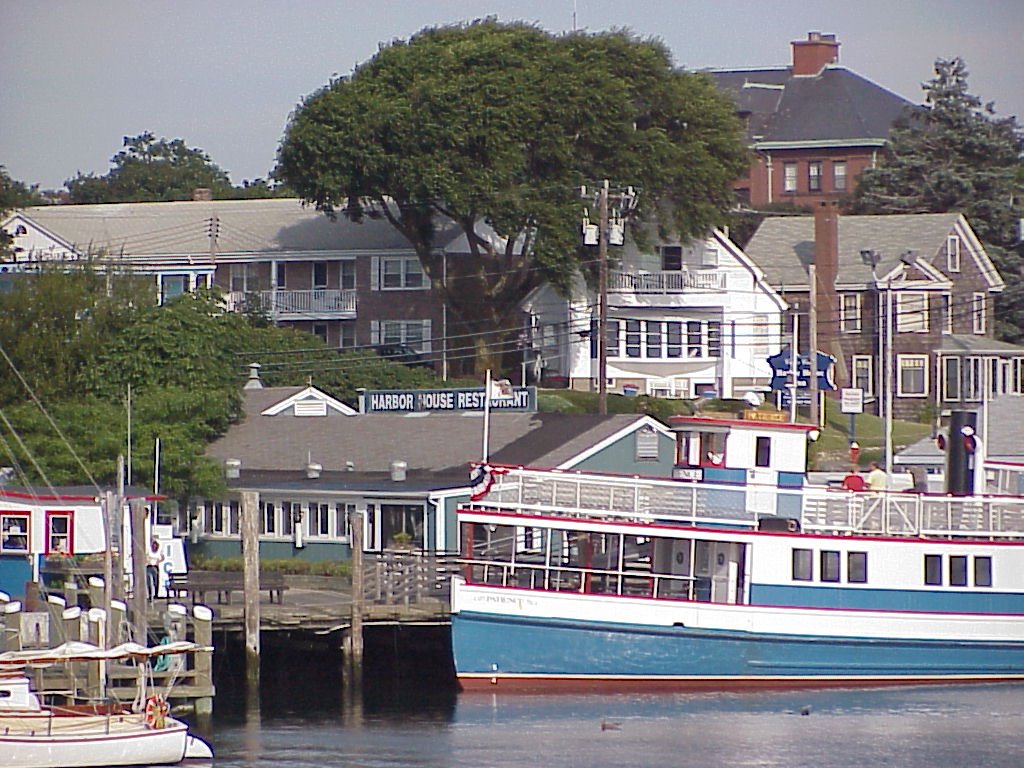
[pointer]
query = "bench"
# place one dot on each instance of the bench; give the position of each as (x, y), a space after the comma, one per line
(196, 584)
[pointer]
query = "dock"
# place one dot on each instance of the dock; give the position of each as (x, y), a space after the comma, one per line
(399, 589)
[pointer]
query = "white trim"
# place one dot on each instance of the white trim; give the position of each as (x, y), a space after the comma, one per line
(309, 393)
(900, 360)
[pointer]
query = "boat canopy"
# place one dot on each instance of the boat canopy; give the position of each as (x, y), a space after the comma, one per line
(79, 651)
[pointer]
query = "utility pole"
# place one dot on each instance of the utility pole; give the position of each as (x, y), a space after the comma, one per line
(608, 232)
(812, 343)
(602, 304)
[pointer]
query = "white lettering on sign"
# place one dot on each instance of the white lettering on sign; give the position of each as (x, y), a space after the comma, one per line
(436, 401)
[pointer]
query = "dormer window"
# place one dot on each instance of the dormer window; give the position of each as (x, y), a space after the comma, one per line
(953, 253)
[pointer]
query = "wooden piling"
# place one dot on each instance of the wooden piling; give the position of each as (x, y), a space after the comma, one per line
(353, 681)
(251, 585)
(139, 547)
(203, 635)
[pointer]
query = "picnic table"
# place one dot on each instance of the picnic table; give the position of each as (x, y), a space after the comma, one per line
(196, 584)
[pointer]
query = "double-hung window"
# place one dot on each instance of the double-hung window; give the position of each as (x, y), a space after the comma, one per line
(839, 176)
(789, 177)
(979, 313)
(849, 313)
(814, 176)
(911, 312)
(394, 273)
(14, 531)
(913, 375)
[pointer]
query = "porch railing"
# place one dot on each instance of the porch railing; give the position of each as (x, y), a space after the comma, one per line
(321, 301)
(672, 281)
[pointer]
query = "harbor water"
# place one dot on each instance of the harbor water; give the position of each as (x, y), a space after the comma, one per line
(304, 720)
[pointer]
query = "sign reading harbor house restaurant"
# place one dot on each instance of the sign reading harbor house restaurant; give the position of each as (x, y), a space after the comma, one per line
(423, 400)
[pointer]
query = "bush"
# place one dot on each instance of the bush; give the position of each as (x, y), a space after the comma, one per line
(292, 567)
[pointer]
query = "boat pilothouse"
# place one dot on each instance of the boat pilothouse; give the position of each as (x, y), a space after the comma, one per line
(581, 580)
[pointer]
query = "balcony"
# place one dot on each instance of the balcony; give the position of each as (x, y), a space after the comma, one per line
(665, 282)
(317, 304)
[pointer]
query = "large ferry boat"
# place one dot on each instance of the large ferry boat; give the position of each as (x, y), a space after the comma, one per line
(729, 580)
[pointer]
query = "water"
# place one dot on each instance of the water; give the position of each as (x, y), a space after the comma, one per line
(409, 727)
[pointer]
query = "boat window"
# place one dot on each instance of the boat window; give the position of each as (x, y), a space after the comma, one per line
(857, 567)
(763, 452)
(829, 565)
(803, 564)
(958, 571)
(58, 533)
(933, 569)
(983, 571)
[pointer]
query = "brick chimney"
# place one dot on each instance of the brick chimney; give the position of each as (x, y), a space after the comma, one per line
(811, 55)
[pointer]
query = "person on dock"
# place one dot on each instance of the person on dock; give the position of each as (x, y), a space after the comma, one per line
(877, 479)
(153, 559)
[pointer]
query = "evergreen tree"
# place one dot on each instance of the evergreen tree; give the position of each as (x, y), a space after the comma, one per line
(954, 154)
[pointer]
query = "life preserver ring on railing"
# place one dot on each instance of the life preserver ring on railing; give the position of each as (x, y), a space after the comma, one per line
(156, 712)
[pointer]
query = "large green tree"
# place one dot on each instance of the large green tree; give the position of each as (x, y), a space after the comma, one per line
(149, 169)
(488, 128)
(954, 154)
(74, 343)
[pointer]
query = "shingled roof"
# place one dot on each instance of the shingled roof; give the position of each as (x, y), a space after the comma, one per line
(783, 246)
(836, 107)
(436, 448)
(262, 226)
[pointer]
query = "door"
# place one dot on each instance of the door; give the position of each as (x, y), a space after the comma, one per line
(726, 572)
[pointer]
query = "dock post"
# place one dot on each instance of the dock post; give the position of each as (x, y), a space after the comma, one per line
(203, 635)
(354, 658)
(251, 584)
(138, 601)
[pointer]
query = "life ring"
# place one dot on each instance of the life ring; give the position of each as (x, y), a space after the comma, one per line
(156, 712)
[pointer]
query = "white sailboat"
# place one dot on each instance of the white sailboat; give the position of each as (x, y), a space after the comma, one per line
(34, 735)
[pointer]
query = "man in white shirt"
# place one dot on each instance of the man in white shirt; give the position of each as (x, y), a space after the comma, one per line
(877, 479)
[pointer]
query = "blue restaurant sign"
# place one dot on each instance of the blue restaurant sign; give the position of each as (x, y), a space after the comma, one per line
(781, 371)
(444, 400)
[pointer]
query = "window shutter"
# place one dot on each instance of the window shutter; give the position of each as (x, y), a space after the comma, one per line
(375, 278)
(375, 330)
(426, 346)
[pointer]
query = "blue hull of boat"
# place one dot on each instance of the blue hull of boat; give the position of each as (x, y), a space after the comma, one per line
(501, 650)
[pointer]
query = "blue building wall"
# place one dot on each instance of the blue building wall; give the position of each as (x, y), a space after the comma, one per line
(620, 458)
(15, 570)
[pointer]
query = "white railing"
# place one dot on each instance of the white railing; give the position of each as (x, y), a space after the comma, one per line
(608, 497)
(319, 301)
(665, 282)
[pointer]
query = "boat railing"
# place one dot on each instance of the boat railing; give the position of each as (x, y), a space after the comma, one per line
(818, 509)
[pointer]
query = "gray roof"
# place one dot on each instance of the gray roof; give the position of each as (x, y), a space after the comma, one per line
(783, 246)
(437, 448)
(1005, 421)
(965, 344)
(281, 225)
(836, 105)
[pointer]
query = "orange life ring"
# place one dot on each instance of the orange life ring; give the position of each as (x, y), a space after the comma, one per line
(156, 712)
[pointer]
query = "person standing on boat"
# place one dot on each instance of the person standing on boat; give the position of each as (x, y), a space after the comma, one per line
(877, 479)
(153, 559)
(853, 481)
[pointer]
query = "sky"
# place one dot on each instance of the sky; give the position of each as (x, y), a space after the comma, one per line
(76, 77)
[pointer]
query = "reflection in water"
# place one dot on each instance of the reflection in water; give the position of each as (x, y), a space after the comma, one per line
(406, 722)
